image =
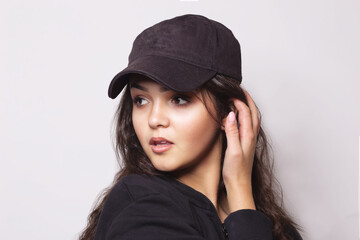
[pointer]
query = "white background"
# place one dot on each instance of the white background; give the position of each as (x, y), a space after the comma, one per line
(57, 57)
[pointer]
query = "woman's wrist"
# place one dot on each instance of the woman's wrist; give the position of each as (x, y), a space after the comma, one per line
(235, 183)
(240, 197)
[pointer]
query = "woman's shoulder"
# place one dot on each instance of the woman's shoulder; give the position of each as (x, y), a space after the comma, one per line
(149, 184)
(138, 186)
(135, 195)
(135, 187)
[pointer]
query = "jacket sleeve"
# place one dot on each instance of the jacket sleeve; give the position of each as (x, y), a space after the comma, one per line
(153, 217)
(248, 224)
(254, 225)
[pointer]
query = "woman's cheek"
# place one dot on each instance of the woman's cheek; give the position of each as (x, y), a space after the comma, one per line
(194, 126)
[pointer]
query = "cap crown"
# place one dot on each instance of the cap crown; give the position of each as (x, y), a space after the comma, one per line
(193, 39)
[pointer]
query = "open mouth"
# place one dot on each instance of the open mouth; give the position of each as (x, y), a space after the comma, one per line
(159, 145)
(156, 141)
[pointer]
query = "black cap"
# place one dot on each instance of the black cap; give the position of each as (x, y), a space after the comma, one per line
(182, 54)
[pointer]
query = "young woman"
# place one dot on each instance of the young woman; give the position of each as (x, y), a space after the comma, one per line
(194, 157)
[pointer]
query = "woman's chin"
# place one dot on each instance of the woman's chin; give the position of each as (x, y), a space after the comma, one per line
(163, 165)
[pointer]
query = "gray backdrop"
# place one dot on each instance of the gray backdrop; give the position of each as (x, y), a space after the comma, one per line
(300, 63)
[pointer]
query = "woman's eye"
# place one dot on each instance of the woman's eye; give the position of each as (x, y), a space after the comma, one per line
(139, 101)
(180, 100)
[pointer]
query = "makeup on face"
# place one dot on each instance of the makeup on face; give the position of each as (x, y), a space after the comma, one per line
(174, 129)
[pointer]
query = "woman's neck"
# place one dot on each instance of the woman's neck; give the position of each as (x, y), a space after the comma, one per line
(206, 183)
(205, 175)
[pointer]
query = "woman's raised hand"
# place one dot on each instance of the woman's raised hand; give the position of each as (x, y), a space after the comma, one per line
(239, 155)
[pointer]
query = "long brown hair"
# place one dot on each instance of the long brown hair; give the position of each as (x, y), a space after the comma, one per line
(132, 159)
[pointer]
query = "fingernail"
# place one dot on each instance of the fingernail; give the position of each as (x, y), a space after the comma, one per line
(231, 117)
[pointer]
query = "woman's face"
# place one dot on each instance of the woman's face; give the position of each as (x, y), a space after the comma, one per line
(175, 129)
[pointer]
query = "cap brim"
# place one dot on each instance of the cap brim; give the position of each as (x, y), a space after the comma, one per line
(174, 74)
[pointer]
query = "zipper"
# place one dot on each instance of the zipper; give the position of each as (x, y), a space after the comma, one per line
(225, 231)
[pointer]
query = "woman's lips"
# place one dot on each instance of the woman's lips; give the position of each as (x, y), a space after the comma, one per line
(159, 144)
(161, 148)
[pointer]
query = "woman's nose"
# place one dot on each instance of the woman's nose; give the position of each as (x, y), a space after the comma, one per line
(158, 116)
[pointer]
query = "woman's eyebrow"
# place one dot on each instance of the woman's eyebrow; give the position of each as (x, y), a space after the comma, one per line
(135, 85)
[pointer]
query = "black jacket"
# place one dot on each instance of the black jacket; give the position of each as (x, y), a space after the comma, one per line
(143, 207)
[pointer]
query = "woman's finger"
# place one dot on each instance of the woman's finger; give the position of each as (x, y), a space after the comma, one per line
(246, 129)
(232, 134)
